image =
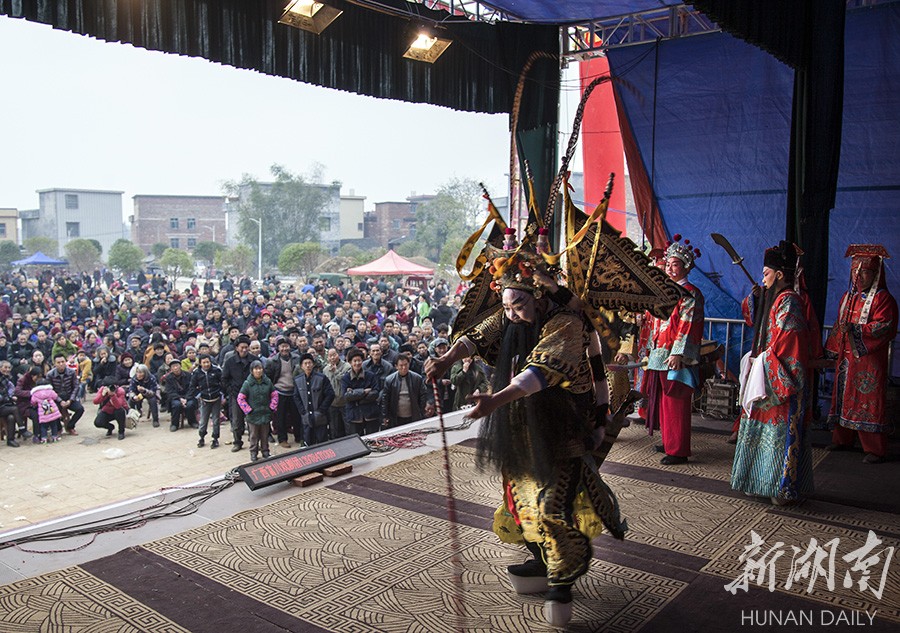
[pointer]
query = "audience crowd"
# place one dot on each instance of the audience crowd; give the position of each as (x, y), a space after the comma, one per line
(269, 362)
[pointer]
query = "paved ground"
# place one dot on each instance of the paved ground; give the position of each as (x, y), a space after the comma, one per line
(82, 472)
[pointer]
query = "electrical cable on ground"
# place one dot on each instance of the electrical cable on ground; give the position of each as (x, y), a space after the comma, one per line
(181, 507)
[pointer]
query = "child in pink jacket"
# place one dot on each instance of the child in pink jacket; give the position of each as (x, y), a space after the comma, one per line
(44, 399)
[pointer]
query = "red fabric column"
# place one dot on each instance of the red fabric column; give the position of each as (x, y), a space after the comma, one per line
(602, 144)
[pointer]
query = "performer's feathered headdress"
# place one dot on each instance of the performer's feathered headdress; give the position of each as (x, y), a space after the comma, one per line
(602, 268)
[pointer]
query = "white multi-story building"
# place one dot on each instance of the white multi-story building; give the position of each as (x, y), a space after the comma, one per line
(352, 217)
(67, 214)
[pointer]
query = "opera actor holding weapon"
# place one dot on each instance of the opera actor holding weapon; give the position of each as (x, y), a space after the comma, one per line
(773, 456)
(554, 498)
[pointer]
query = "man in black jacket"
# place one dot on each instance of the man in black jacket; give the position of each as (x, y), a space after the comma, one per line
(313, 395)
(281, 369)
(377, 365)
(206, 382)
(405, 397)
(182, 401)
(234, 373)
(65, 383)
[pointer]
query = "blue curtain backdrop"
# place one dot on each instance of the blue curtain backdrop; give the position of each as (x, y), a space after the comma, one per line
(717, 155)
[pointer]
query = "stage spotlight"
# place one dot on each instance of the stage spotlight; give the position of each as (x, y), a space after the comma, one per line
(309, 16)
(427, 47)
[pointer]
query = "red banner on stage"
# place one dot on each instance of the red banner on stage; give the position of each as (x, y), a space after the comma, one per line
(602, 145)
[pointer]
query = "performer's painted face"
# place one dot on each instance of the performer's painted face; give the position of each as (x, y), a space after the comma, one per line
(675, 269)
(518, 306)
(770, 277)
(865, 277)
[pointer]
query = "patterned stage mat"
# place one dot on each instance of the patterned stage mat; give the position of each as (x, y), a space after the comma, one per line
(711, 455)
(347, 563)
(427, 473)
(669, 517)
(794, 537)
(73, 600)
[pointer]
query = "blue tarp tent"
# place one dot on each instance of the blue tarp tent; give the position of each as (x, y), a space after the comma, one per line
(39, 259)
(711, 124)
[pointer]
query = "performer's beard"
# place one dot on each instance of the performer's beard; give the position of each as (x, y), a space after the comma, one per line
(761, 318)
(521, 438)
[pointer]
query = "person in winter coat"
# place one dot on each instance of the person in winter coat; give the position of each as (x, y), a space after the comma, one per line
(257, 399)
(104, 366)
(64, 381)
(313, 395)
(467, 377)
(206, 382)
(9, 412)
(144, 388)
(113, 405)
(360, 389)
(63, 346)
(281, 369)
(182, 401)
(124, 369)
(43, 398)
(24, 385)
(405, 398)
(334, 370)
(235, 372)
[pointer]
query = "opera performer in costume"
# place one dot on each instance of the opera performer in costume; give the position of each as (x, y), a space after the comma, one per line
(752, 315)
(773, 456)
(544, 418)
(859, 343)
(671, 375)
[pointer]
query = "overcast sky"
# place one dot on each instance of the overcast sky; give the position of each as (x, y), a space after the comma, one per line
(81, 113)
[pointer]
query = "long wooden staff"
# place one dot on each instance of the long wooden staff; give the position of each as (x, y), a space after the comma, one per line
(456, 557)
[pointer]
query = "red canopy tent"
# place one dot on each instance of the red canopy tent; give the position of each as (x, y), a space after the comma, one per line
(391, 264)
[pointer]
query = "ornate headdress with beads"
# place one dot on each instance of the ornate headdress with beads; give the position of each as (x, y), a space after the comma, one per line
(682, 250)
(515, 269)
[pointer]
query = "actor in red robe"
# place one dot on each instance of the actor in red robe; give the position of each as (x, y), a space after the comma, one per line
(815, 350)
(674, 353)
(859, 343)
(773, 455)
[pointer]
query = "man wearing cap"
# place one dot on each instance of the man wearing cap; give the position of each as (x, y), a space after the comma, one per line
(674, 352)
(234, 372)
(313, 395)
(182, 401)
(773, 457)
(281, 369)
(859, 344)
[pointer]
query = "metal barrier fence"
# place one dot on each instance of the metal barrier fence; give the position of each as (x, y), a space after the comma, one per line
(737, 338)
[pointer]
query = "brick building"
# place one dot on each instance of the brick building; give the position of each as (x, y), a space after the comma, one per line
(394, 222)
(177, 221)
